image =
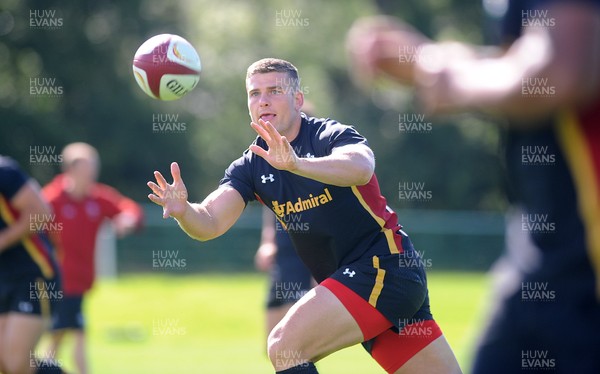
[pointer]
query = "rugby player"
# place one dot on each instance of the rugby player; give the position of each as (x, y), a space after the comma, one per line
(322, 172)
(29, 278)
(545, 82)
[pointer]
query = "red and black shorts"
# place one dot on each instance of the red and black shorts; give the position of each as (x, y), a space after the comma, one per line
(387, 296)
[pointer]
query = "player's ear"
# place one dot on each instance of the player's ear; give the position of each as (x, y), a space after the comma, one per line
(298, 100)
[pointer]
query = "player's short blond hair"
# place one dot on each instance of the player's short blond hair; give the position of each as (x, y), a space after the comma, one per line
(74, 152)
(275, 65)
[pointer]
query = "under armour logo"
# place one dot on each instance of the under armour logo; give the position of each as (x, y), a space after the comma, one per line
(25, 307)
(269, 178)
(349, 273)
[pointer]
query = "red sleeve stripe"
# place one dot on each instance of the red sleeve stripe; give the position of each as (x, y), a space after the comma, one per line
(580, 146)
(375, 204)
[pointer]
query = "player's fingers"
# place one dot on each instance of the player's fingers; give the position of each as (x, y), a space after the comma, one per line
(155, 188)
(258, 150)
(286, 146)
(155, 199)
(289, 150)
(260, 130)
(286, 142)
(160, 179)
(271, 130)
(176, 172)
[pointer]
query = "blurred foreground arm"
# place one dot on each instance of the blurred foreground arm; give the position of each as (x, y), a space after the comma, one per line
(565, 58)
(29, 203)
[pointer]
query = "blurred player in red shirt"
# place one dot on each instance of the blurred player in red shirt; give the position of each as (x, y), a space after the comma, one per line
(82, 204)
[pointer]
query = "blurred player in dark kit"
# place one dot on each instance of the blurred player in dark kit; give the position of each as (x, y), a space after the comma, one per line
(29, 278)
(545, 81)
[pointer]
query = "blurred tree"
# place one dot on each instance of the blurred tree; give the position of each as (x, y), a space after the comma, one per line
(89, 57)
(66, 76)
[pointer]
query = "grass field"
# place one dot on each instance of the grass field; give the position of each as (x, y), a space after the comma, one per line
(214, 324)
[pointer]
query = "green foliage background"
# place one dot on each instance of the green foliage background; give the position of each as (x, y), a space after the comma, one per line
(90, 57)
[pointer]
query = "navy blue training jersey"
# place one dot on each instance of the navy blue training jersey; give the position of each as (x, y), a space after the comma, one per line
(330, 226)
(32, 255)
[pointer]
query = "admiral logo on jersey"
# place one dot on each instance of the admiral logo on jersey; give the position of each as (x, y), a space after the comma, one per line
(329, 225)
(288, 207)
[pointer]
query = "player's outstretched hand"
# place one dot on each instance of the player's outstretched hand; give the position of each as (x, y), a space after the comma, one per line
(280, 155)
(172, 197)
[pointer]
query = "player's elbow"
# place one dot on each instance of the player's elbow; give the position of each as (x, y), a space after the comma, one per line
(365, 169)
(202, 238)
(205, 236)
(364, 176)
(210, 233)
(201, 235)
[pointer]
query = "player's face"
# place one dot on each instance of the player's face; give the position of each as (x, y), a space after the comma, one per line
(271, 97)
(83, 173)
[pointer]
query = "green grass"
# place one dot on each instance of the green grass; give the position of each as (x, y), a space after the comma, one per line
(214, 324)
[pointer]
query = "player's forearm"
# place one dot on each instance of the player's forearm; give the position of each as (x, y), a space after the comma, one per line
(132, 210)
(516, 92)
(542, 72)
(15, 232)
(31, 208)
(197, 222)
(344, 170)
(500, 84)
